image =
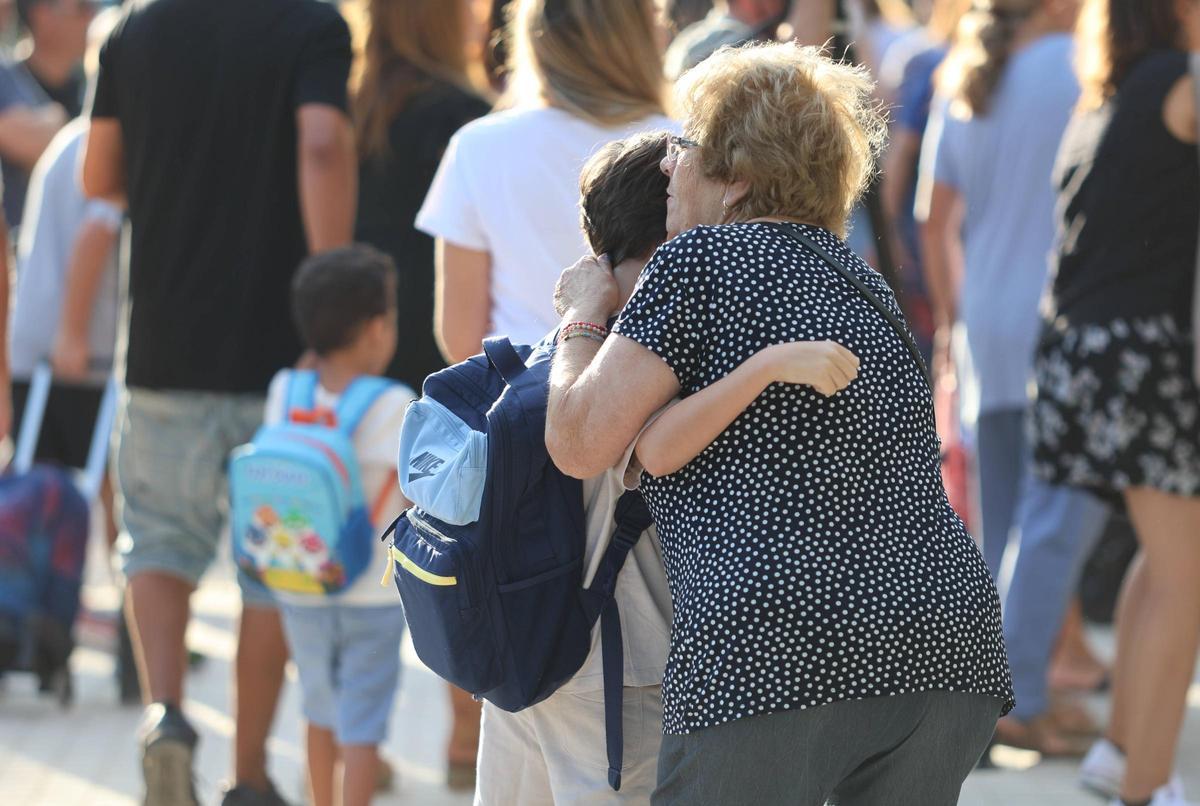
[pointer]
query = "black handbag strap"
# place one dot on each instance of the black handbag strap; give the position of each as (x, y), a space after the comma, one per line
(796, 235)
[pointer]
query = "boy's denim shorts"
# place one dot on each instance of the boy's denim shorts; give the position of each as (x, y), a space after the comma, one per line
(172, 455)
(349, 663)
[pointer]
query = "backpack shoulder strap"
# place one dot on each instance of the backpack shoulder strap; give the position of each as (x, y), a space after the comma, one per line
(633, 518)
(358, 399)
(301, 393)
(504, 358)
(854, 280)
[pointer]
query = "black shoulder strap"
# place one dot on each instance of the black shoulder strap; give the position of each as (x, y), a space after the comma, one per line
(633, 518)
(795, 234)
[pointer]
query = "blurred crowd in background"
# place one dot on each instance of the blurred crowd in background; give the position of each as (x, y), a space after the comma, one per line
(964, 220)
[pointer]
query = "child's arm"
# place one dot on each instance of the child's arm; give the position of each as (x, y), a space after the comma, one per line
(690, 426)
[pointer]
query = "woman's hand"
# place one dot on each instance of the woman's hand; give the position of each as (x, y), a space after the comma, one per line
(70, 356)
(826, 366)
(588, 289)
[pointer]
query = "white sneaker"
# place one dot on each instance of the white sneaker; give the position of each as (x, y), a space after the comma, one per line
(1102, 769)
(1104, 766)
(1170, 794)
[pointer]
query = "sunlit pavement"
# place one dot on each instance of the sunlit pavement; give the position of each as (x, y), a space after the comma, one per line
(86, 754)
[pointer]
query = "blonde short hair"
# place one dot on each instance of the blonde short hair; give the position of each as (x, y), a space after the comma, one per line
(596, 59)
(802, 130)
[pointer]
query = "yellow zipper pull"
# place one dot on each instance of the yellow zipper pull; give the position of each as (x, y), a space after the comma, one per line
(387, 568)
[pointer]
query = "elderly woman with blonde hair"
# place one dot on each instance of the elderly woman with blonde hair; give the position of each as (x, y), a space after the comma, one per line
(836, 633)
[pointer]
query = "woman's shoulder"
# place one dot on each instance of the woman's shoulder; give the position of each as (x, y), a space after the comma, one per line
(439, 99)
(1158, 68)
(721, 238)
(689, 243)
(507, 131)
(699, 248)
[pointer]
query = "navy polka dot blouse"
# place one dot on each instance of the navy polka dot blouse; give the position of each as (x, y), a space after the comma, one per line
(811, 552)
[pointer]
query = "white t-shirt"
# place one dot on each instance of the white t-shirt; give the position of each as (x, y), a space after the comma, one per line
(509, 185)
(643, 599)
(375, 442)
(55, 210)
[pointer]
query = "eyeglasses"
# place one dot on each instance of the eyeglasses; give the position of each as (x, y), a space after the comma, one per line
(676, 145)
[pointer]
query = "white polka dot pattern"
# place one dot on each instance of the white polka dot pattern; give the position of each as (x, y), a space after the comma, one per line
(811, 552)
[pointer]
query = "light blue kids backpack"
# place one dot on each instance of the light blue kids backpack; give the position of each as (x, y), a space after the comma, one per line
(299, 515)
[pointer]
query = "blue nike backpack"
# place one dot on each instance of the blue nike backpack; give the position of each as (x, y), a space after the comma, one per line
(489, 559)
(300, 520)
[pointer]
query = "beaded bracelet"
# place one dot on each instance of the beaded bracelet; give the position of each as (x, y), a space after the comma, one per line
(571, 329)
(581, 334)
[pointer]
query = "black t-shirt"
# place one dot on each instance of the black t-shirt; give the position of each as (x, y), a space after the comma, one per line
(206, 92)
(1129, 199)
(391, 188)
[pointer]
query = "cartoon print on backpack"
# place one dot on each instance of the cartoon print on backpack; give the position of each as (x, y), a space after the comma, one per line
(279, 550)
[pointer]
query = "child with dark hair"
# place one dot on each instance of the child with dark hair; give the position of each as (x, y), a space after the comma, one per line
(346, 646)
(555, 751)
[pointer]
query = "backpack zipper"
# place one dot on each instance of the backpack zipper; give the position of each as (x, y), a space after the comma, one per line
(424, 527)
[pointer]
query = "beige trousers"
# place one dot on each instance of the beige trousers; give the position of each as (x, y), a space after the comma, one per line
(553, 754)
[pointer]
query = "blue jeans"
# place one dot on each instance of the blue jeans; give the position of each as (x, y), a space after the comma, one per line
(1058, 526)
(349, 663)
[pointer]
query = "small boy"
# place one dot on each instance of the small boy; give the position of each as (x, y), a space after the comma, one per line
(555, 752)
(347, 646)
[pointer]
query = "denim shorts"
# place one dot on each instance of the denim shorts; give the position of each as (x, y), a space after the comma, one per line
(349, 663)
(172, 456)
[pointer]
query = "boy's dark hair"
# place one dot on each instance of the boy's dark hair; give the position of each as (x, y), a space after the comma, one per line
(624, 197)
(336, 292)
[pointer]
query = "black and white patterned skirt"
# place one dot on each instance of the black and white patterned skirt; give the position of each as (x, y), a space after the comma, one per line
(1117, 407)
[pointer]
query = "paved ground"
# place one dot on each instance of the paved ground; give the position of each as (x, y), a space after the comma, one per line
(85, 756)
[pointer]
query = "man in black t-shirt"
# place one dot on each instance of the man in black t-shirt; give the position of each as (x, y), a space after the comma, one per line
(222, 123)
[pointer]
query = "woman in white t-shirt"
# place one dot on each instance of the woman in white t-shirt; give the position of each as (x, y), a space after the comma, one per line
(504, 203)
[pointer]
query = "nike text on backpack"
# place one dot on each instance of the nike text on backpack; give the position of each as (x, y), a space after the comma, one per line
(489, 560)
(300, 518)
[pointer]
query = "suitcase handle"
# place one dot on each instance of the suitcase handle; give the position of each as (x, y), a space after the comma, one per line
(31, 422)
(92, 477)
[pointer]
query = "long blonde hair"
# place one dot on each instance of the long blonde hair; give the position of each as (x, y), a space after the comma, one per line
(596, 59)
(981, 51)
(408, 43)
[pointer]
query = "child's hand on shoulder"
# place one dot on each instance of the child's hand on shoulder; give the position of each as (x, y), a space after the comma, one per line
(826, 366)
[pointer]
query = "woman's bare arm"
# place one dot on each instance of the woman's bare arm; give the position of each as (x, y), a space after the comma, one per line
(600, 397)
(462, 305)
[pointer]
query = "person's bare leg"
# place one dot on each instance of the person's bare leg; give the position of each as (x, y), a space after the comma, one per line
(360, 763)
(1074, 665)
(108, 503)
(157, 606)
(322, 753)
(1129, 617)
(1168, 528)
(261, 655)
(464, 733)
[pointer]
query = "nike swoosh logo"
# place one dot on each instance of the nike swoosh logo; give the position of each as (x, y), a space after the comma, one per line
(418, 476)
